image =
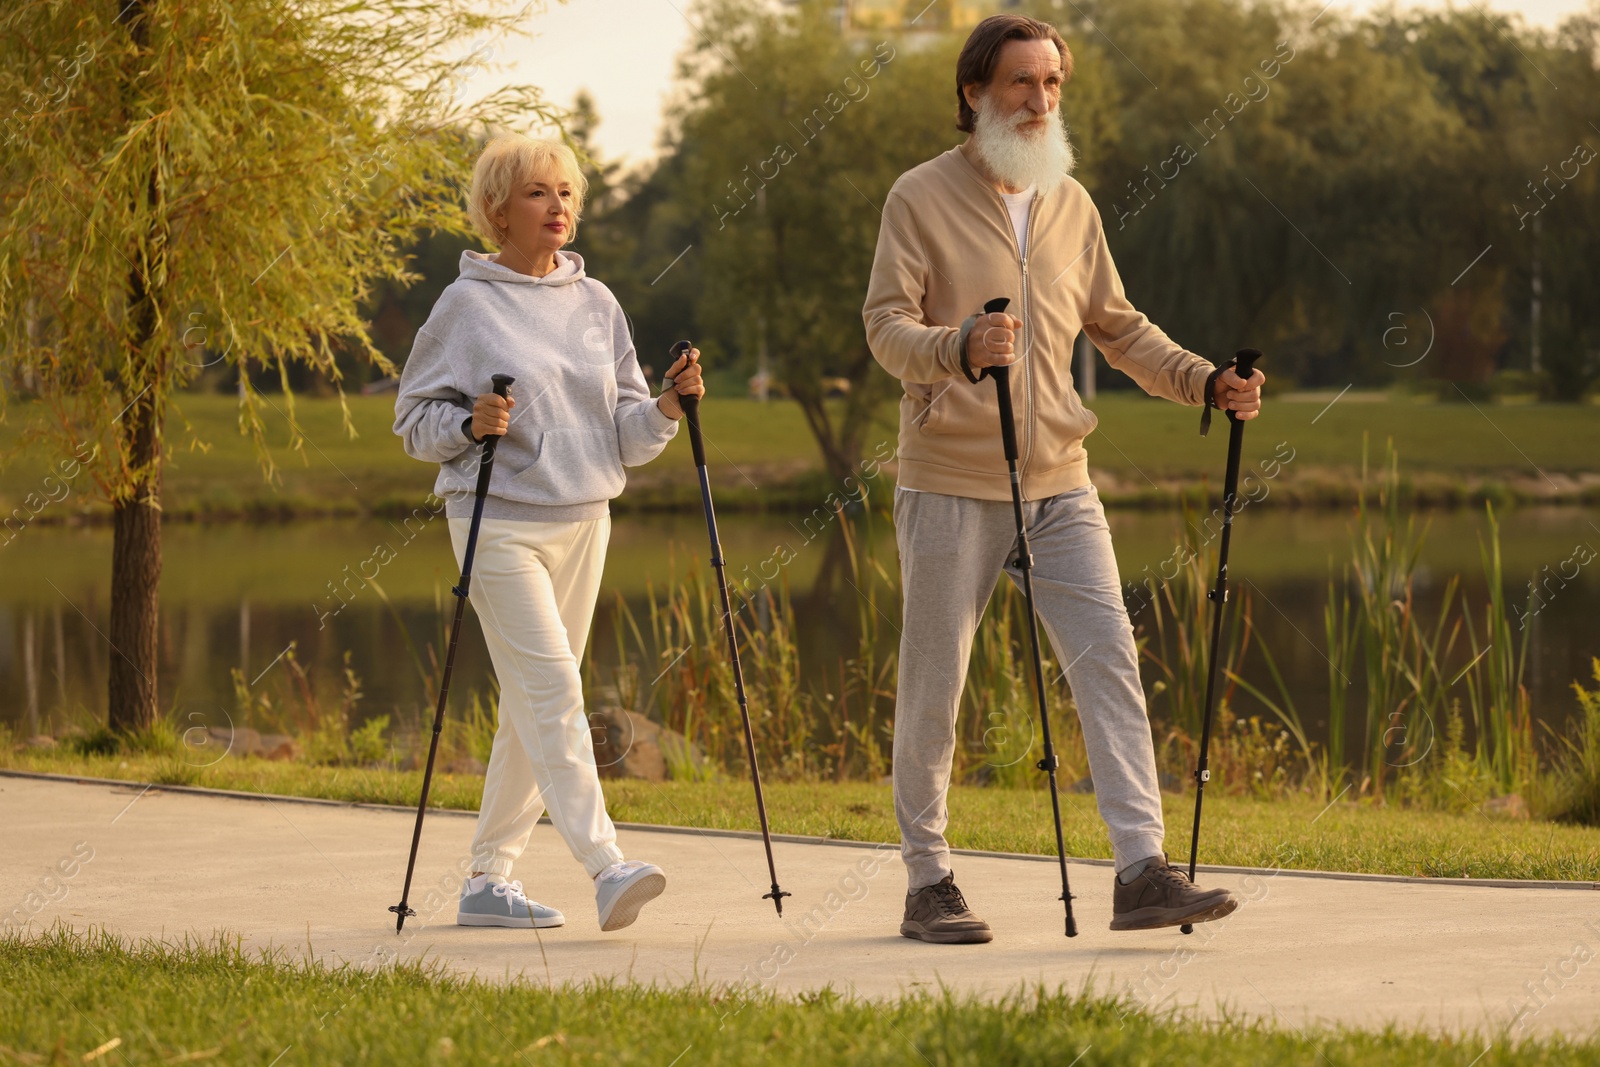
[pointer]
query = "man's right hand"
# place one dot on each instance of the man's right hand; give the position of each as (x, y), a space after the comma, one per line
(491, 415)
(991, 343)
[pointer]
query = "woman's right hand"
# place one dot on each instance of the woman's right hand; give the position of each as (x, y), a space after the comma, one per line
(491, 415)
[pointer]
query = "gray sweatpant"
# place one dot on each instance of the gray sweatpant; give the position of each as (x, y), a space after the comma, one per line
(952, 550)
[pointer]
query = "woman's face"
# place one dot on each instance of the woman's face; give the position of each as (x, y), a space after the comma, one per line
(537, 216)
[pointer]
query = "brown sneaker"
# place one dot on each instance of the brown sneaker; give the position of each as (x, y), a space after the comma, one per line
(1162, 895)
(938, 913)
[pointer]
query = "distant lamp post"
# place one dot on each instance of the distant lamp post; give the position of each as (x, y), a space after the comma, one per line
(1538, 291)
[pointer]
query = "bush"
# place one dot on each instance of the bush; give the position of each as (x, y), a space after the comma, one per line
(101, 741)
(1449, 779)
(367, 745)
(1578, 772)
(1519, 383)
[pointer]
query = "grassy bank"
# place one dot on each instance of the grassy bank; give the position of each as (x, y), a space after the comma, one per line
(1144, 452)
(1293, 833)
(172, 1003)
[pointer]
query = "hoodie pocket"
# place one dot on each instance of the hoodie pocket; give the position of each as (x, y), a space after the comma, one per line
(572, 466)
(958, 408)
(937, 413)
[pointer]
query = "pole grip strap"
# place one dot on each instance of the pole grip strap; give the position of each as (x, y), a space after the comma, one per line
(1211, 394)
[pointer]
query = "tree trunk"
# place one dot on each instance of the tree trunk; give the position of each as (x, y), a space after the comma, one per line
(136, 528)
(135, 580)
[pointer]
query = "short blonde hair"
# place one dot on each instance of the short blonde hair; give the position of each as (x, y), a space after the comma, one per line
(511, 159)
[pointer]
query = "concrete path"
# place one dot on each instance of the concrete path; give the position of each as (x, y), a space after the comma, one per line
(149, 862)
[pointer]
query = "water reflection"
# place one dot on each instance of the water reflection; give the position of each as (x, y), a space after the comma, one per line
(234, 598)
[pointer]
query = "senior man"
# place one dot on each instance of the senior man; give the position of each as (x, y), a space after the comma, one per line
(998, 215)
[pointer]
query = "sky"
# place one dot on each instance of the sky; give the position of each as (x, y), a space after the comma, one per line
(624, 53)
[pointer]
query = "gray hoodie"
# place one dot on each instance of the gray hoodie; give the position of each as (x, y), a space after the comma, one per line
(583, 409)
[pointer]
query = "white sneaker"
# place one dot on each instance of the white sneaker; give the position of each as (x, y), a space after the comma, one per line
(486, 903)
(623, 888)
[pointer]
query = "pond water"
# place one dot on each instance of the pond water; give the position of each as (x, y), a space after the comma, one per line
(235, 596)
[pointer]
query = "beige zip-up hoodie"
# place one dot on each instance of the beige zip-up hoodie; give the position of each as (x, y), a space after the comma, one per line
(945, 248)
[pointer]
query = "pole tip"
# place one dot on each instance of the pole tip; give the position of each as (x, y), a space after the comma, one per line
(1072, 927)
(776, 896)
(1186, 929)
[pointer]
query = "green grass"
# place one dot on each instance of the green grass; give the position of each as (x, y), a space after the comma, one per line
(1432, 438)
(1144, 450)
(70, 995)
(1292, 833)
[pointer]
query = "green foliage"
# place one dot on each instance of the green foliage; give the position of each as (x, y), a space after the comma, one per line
(777, 190)
(213, 183)
(160, 739)
(222, 184)
(101, 741)
(471, 731)
(367, 744)
(1449, 777)
(1352, 167)
(316, 715)
(1578, 772)
(1496, 687)
(1181, 620)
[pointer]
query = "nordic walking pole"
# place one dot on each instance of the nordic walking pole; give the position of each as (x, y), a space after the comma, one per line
(691, 413)
(1243, 364)
(1008, 437)
(402, 910)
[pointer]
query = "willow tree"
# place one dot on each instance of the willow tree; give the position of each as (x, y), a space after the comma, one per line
(194, 182)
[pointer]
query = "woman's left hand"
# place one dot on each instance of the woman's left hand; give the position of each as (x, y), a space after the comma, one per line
(686, 381)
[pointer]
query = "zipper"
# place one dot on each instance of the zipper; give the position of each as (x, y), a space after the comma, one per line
(1022, 261)
(1027, 350)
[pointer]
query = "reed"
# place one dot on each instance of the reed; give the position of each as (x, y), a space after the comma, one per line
(1503, 713)
(1426, 688)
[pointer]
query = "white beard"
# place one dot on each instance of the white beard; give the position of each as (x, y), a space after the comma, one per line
(1037, 157)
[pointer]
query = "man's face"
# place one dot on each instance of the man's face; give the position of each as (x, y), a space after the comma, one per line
(1027, 75)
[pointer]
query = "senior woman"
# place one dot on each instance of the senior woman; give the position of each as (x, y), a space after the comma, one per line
(530, 311)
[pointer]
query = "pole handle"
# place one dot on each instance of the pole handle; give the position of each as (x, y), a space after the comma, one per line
(1002, 385)
(502, 385)
(1244, 364)
(691, 408)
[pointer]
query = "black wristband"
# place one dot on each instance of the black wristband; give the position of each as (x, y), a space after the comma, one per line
(961, 346)
(1210, 400)
(466, 428)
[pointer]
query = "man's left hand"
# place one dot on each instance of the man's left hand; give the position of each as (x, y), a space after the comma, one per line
(1239, 395)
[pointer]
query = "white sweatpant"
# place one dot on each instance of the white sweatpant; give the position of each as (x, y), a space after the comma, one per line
(534, 586)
